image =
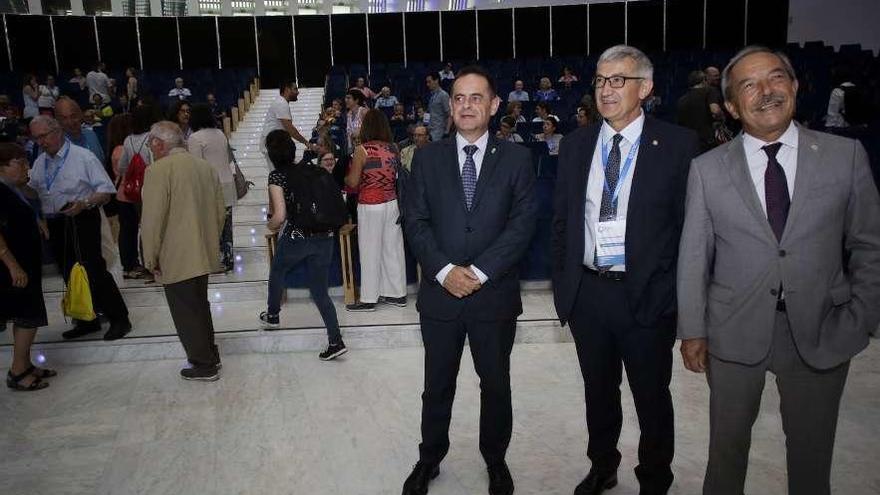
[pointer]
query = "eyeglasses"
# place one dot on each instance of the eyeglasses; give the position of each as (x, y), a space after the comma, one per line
(38, 137)
(616, 82)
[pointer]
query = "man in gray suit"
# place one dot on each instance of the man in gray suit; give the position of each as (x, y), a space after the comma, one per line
(779, 270)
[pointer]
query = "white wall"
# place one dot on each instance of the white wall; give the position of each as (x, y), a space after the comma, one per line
(835, 22)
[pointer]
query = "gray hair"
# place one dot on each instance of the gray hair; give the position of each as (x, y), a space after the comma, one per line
(169, 133)
(745, 52)
(47, 121)
(644, 68)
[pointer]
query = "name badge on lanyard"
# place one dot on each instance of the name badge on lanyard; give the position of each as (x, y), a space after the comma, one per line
(50, 179)
(611, 234)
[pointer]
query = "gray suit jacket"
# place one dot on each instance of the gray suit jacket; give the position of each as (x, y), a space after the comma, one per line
(730, 264)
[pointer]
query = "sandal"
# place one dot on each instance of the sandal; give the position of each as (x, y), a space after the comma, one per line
(42, 372)
(14, 382)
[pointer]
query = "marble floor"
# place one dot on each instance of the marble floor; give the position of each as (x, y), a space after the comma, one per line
(291, 424)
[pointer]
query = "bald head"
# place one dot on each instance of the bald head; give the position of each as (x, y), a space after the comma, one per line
(69, 115)
(713, 76)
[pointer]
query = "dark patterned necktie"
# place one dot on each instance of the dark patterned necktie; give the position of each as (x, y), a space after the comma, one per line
(469, 175)
(608, 208)
(776, 191)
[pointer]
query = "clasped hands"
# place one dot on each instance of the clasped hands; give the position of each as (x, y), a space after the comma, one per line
(461, 282)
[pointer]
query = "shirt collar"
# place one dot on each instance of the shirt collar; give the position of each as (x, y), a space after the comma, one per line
(61, 151)
(788, 139)
(481, 143)
(631, 132)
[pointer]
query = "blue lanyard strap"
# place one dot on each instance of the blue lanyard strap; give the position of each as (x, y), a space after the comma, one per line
(627, 165)
(50, 179)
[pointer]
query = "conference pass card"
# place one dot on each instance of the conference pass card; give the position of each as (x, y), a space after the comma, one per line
(611, 243)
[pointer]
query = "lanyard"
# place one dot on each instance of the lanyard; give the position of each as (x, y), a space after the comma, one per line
(623, 172)
(51, 179)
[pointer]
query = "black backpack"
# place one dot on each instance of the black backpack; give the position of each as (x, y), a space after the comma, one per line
(856, 105)
(315, 203)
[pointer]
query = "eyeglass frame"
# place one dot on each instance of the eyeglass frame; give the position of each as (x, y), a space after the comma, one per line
(608, 79)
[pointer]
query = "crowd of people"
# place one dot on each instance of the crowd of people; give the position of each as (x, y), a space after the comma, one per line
(87, 198)
(659, 233)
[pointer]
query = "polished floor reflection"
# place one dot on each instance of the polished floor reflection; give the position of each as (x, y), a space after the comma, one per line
(288, 423)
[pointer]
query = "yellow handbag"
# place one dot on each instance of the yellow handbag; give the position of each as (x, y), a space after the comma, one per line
(77, 301)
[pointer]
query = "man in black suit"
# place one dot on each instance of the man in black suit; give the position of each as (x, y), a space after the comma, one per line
(470, 217)
(618, 214)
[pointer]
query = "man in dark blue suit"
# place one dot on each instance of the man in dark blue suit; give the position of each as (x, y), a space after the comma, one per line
(470, 217)
(618, 214)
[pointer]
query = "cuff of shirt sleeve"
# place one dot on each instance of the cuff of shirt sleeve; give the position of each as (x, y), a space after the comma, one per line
(444, 272)
(480, 275)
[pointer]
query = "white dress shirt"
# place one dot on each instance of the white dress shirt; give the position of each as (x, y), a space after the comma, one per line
(786, 156)
(481, 144)
(596, 183)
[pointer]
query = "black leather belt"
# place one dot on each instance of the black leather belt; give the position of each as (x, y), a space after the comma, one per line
(608, 274)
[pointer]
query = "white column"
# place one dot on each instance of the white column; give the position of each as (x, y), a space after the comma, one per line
(156, 8)
(192, 7)
(226, 8)
(293, 7)
(117, 7)
(259, 7)
(328, 6)
(76, 7)
(35, 7)
(365, 6)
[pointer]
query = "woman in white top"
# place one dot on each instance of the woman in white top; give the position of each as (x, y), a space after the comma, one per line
(131, 86)
(550, 136)
(48, 95)
(30, 93)
(210, 144)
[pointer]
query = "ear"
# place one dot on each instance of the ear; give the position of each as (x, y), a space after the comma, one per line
(646, 88)
(731, 108)
(496, 102)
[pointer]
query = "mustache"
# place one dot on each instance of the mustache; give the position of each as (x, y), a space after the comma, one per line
(770, 99)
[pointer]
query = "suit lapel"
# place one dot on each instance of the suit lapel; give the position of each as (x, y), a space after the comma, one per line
(585, 155)
(738, 168)
(490, 160)
(453, 172)
(808, 154)
(645, 174)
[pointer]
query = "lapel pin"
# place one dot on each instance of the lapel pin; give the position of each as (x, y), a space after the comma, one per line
(654, 142)
(814, 147)
(493, 151)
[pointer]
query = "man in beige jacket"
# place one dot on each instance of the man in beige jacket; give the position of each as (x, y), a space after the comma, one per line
(183, 214)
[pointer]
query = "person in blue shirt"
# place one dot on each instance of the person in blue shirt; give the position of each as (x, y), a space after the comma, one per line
(70, 116)
(72, 184)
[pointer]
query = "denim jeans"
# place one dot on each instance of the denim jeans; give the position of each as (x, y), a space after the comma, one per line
(317, 253)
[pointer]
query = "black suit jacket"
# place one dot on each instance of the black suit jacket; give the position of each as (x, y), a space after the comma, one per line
(655, 217)
(493, 236)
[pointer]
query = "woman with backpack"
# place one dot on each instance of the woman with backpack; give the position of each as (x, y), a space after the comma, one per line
(297, 244)
(133, 160)
(374, 168)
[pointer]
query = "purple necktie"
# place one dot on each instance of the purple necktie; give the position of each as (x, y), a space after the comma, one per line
(776, 191)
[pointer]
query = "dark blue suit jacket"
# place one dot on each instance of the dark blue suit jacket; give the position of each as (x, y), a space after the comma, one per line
(493, 236)
(655, 217)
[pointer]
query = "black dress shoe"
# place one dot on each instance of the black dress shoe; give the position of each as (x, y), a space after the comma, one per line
(417, 482)
(500, 482)
(597, 482)
(118, 329)
(82, 328)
